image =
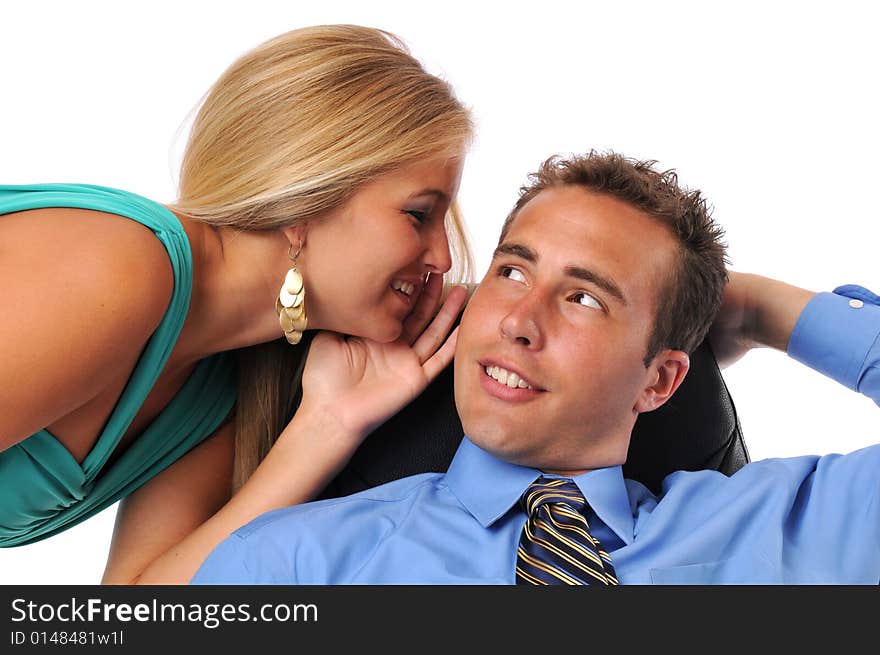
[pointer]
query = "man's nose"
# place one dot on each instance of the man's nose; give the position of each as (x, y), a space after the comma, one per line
(522, 323)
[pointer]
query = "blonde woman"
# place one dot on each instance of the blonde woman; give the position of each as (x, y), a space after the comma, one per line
(156, 353)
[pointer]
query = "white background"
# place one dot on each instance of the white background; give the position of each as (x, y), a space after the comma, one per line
(769, 108)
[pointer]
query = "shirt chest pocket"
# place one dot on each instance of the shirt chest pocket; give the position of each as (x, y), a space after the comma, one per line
(739, 570)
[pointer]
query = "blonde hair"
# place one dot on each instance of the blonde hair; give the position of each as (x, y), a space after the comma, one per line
(291, 130)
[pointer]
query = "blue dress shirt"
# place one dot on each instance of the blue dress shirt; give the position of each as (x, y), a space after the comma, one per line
(800, 520)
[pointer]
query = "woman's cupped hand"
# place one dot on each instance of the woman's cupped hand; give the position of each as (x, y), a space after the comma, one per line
(361, 383)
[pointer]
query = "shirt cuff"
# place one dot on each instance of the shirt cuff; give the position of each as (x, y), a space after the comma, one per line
(835, 332)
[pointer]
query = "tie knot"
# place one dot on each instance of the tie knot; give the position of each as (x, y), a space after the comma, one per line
(548, 490)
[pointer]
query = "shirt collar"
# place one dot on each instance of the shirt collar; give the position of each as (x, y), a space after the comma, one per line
(605, 491)
(488, 487)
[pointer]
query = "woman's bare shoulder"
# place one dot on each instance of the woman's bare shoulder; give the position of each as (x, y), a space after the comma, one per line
(66, 257)
(84, 291)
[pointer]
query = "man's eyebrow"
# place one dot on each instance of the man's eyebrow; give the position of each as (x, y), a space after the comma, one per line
(440, 195)
(517, 250)
(603, 282)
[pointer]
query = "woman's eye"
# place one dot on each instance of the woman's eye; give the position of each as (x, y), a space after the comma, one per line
(418, 214)
(586, 300)
(512, 273)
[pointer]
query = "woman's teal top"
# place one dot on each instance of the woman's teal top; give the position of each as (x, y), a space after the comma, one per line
(43, 489)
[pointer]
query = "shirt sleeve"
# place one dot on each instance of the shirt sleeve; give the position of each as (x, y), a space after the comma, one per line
(838, 335)
(226, 564)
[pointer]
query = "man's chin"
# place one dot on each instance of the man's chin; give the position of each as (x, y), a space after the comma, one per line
(501, 444)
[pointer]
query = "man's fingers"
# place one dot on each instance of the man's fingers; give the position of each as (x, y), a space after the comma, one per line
(428, 342)
(440, 359)
(426, 306)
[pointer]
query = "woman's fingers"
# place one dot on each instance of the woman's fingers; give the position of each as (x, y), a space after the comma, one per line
(424, 310)
(440, 359)
(429, 341)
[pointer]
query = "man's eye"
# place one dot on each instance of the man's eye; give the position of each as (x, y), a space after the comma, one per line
(586, 300)
(418, 214)
(512, 273)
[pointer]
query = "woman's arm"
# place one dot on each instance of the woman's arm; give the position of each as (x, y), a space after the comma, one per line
(82, 292)
(167, 527)
(350, 386)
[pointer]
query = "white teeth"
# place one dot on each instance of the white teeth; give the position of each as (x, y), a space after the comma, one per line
(507, 378)
(404, 287)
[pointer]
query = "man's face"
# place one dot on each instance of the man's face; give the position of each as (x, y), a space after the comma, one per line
(567, 307)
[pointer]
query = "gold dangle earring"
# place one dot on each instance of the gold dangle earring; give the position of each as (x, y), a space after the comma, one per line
(290, 304)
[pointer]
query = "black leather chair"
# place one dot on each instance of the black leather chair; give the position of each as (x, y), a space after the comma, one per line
(696, 429)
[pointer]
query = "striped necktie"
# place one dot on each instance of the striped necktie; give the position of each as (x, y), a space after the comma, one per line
(556, 546)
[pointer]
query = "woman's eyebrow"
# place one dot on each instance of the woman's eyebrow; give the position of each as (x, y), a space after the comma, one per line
(440, 195)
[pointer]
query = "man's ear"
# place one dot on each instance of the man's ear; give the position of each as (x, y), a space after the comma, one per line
(665, 373)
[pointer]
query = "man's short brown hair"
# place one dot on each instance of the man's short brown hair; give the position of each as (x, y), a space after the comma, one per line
(691, 296)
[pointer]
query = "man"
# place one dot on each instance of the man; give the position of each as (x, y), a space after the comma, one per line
(606, 275)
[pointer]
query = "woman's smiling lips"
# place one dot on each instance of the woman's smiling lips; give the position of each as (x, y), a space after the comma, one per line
(407, 290)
